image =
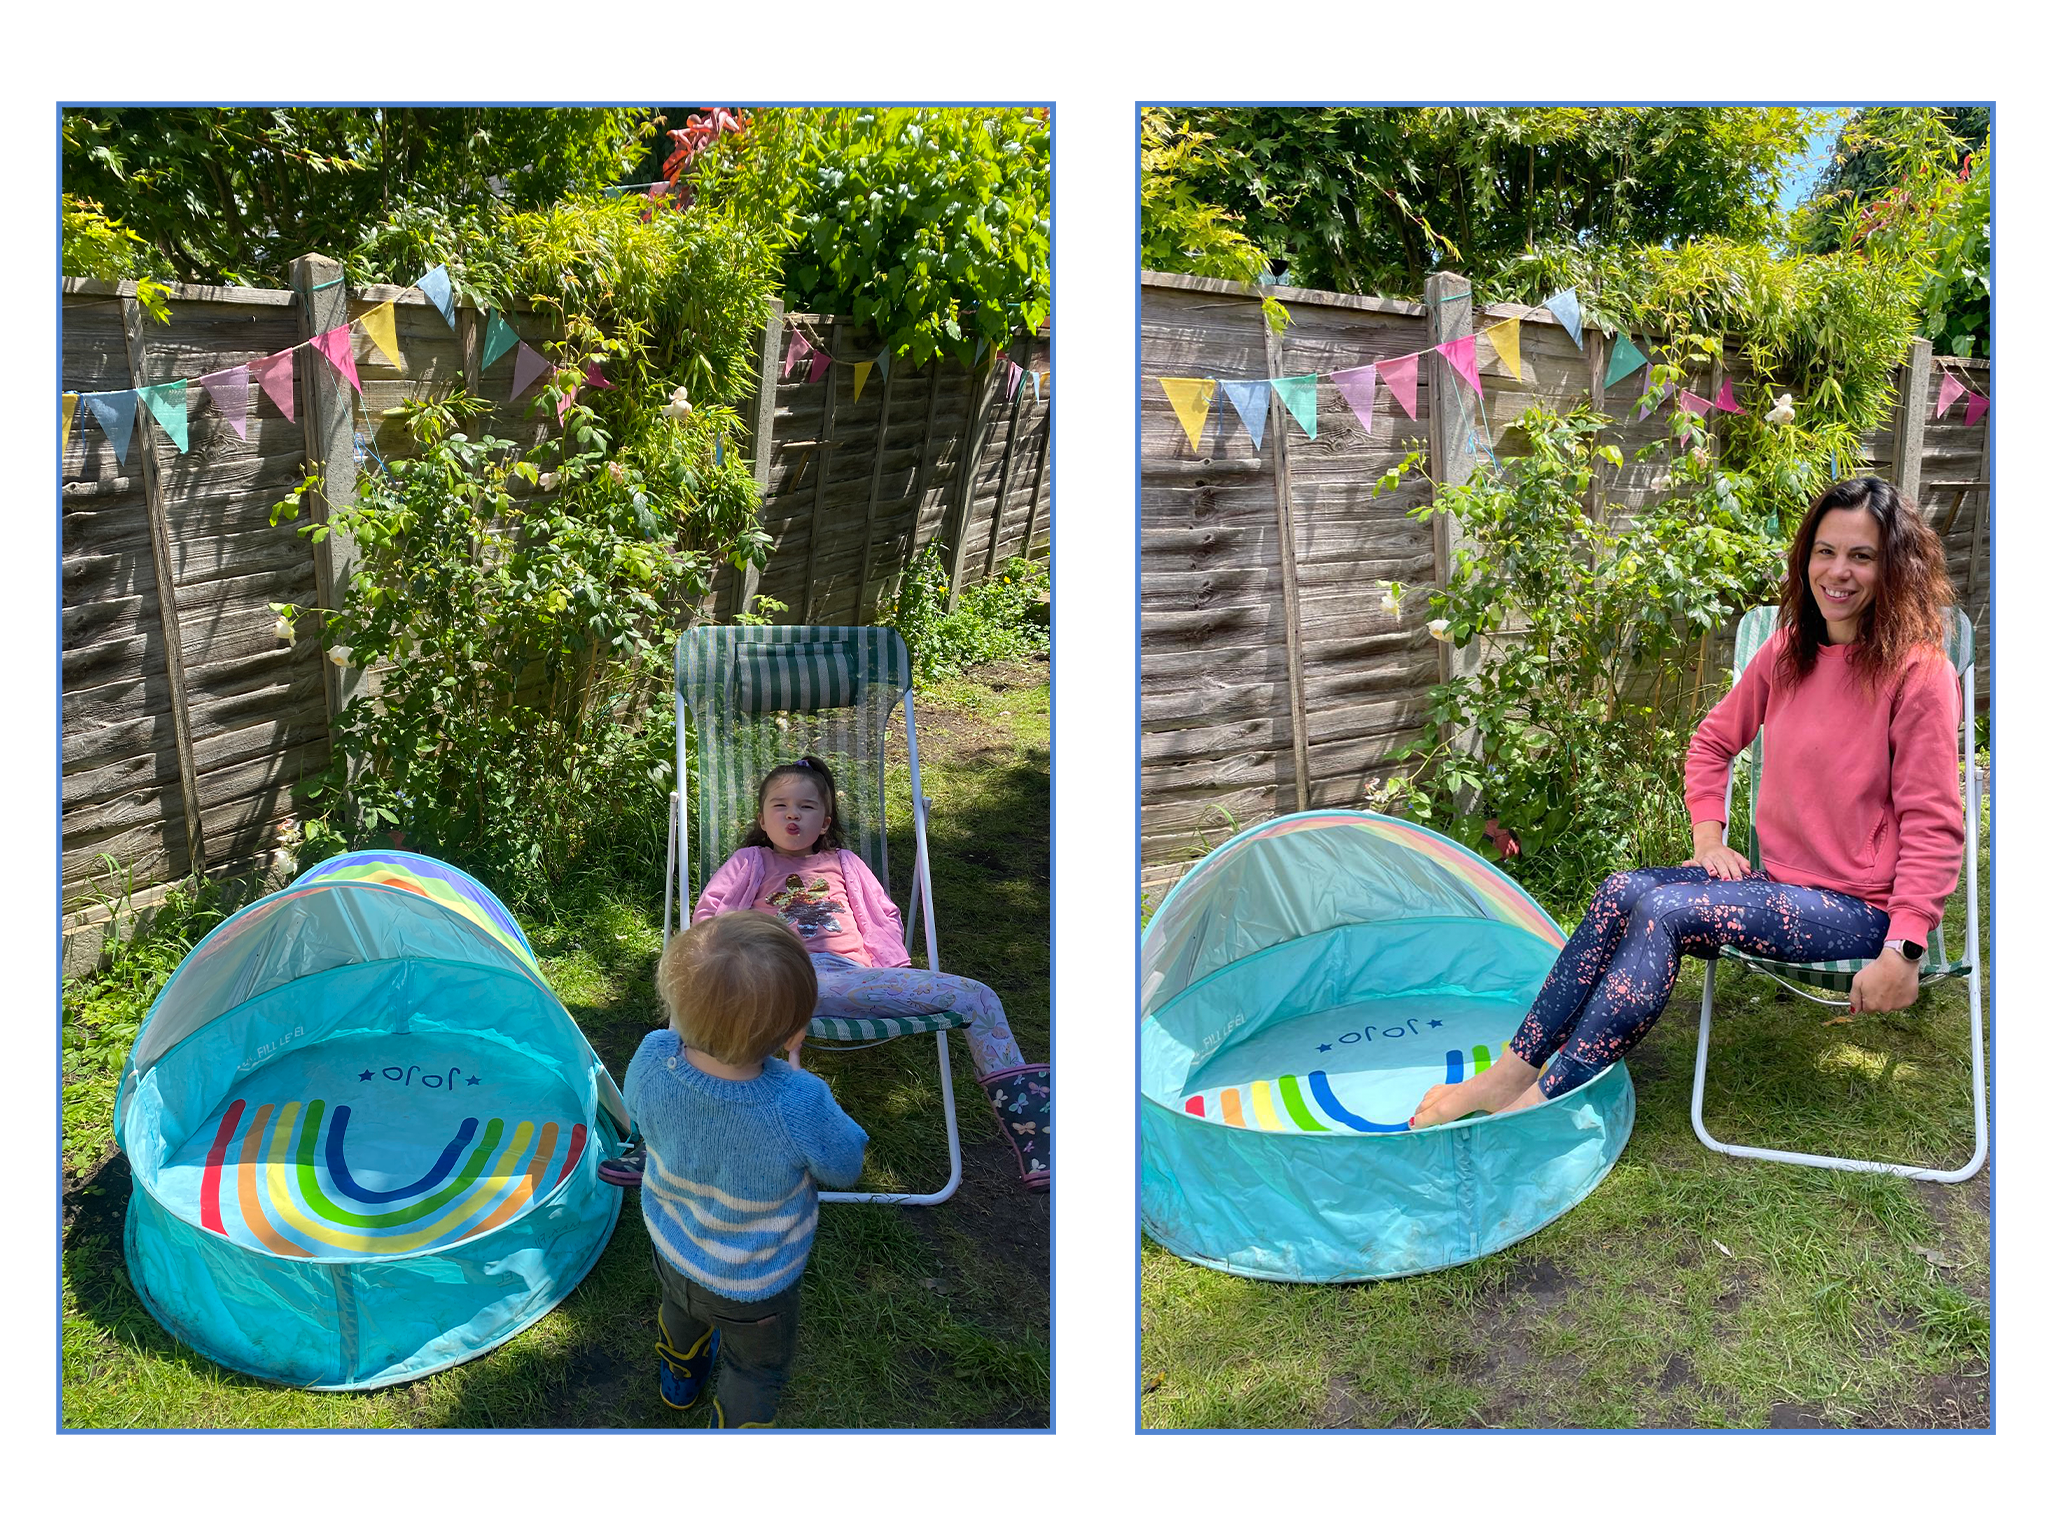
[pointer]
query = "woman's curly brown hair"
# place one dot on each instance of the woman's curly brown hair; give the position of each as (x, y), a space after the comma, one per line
(1906, 610)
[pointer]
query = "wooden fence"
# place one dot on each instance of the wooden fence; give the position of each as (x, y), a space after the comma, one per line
(1270, 677)
(188, 724)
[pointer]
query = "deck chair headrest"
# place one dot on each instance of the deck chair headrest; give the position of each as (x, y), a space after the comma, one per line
(803, 676)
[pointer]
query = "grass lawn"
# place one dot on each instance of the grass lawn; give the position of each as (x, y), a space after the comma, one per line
(922, 1317)
(1689, 1289)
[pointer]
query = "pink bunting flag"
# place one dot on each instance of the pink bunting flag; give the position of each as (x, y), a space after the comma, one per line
(274, 373)
(819, 363)
(1358, 386)
(593, 375)
(1650, 405)
(527, 365)
(1399, 372)
(229, 391)
(1699, 405)
(338, 348)
(568, 399)
(1974, 411)
(1725, 401)
(1460, 354)
(1951, 391)
(799, 349)
(1010, 386)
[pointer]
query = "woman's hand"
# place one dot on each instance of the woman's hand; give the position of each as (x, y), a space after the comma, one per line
(1887, 984)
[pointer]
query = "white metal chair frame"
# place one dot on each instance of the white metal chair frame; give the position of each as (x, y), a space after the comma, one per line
(677, 887)
(1962, 640)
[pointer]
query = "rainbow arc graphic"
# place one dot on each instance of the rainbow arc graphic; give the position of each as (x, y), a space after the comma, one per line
(269, 1175)
(1311, 1103)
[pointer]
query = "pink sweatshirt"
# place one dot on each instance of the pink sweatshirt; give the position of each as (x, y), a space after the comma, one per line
(1859, 792)
(737, 885)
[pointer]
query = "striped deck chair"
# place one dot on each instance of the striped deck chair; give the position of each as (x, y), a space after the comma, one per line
(1829, 980)
(760, 695)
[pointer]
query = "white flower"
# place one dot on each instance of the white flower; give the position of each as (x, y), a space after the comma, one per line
(1390, 599)
(284, 627)
(1780, 414)
(1439, 627)
(678, 404)
(617, 471)
(549, 480)
(339, 654)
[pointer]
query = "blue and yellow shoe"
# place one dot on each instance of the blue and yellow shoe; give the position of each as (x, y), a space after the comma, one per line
(683, 1375)
(718, 1419)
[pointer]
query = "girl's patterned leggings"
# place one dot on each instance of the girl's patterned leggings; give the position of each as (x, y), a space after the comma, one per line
(850, 990)
(1615, 975)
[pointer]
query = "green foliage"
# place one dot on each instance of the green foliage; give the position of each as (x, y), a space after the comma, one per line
(930, 225)
(102, 247)
(1593, 631)
(1004, 618)
(234, 194)
(1373, 199)
(1180, 232)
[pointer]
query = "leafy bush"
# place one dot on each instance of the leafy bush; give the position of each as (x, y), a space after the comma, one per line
(97, 245)
(1595, 633)
(1006, 617)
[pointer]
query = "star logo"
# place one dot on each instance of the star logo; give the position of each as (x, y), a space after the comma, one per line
(474, 1081)
(365, 1076)
(1322, 1047)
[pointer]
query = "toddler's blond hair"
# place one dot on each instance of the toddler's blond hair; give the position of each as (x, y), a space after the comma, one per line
(737, 986)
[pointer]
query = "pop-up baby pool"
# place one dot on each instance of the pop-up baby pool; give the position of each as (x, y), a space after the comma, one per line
(1303, 986)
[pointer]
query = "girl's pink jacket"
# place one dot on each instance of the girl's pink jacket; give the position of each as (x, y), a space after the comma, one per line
(737, 885)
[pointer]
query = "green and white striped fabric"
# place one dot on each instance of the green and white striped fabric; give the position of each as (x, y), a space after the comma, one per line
(759, 695)
(1756, 627)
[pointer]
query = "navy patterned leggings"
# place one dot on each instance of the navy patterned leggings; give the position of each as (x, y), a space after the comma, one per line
(1615, 975)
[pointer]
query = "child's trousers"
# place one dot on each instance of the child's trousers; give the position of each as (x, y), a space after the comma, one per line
(849, 990)
(756, 1342)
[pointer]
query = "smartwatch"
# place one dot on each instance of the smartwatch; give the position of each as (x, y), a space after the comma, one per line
(1907, 948)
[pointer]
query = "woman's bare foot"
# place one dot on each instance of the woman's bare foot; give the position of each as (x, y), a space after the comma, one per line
(1501, 1085)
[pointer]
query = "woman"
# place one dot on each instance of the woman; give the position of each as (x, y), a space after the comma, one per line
(1858, 816)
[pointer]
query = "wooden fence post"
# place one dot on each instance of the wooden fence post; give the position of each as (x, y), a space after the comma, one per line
(1037, 479)
(825, 414)
(166, 586)
(1452, 458)
(1909, 432)
(1290, 597)
(980, 398)
(329, 423)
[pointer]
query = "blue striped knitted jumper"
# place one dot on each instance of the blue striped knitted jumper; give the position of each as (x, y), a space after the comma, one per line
(731, 1192)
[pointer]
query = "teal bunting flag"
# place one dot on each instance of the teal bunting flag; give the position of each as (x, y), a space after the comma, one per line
(1298, 394)
(499, 338)
(1248, 397)
(166, 403)
(114, 410)
(882, 362)
(1626, 360)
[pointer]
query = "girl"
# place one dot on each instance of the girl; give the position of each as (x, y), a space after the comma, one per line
(1858, 813)
(793, 865)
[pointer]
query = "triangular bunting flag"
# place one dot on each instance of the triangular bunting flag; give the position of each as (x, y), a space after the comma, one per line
(882, 361)
(799, 349)
(1506, 339)
(1358, 386)
(980, 346)
(1460, 353)
(1651, 405)
(1298, 394)
(1564, 309)
(1010, 381)
(435, 285)
(381, 326)
(593, 375)
(527, 365)
(860, 377)
(499, 338)
(1974, 411)
(1248, 398)
(70, 410)
(1399, 372)
(336, 347)
(1035, 396)
(114, 410)
(166, 403)
(1190, 399)
(1699, 405)
(274, 373)
(229, 391)
(1951, 391)
(819, 363)
(1725, 401)
(1625, 361)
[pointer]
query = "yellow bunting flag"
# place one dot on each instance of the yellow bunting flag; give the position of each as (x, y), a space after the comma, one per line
(381, 326)
(860, 377)
(1191, 399)
(70, 410)
(1507, 341)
